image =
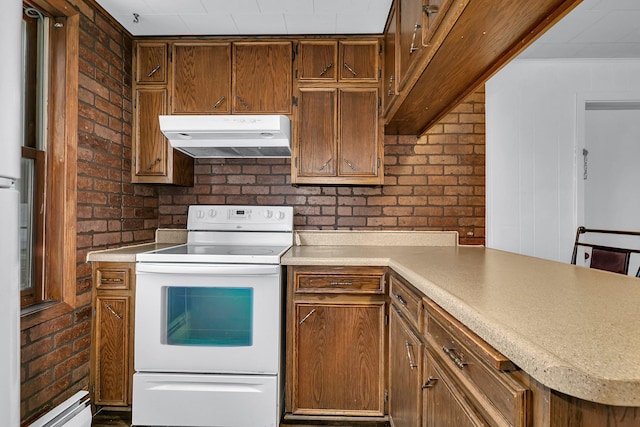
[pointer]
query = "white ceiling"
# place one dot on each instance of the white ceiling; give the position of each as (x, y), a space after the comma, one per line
(595, 29)
(249, 17)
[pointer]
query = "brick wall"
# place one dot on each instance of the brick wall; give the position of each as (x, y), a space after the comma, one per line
(111, 212)
(436, 182)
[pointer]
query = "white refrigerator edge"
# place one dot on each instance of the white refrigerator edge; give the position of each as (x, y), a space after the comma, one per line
(10, 146)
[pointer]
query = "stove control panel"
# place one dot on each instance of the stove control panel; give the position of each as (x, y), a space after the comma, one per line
(249, 218)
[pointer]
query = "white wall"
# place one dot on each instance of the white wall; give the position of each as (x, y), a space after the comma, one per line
(532, 117)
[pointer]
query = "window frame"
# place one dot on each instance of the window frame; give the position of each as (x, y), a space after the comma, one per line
(59, 252)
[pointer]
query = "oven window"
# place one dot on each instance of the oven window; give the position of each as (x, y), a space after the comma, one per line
(214, 317)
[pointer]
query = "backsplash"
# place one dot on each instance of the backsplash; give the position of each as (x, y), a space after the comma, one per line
(436, 182)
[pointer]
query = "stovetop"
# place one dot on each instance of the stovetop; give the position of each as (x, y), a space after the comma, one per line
(231, 234)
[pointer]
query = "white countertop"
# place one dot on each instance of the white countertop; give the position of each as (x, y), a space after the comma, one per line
(573, 329)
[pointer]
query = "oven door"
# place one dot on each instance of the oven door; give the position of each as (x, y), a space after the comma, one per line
(207, 318)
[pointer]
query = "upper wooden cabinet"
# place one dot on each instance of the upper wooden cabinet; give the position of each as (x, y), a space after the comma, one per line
(410, 35)
(262, 77)
(464, 43)
(337, 139)
(154, 160)
(201, 82)
(343, 61)
(317, 60)
(390, 73)
(359, 60)
(151, 63)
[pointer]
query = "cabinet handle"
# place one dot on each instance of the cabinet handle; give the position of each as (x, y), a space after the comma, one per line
(390, 91)
(152, 72)
(350, 69)
(409, 346)
(341, 283)
(431, 381)
(242, 101)
(110, 280)
(325, 164)
(400, 299)
(429, 9)
(325, 69)
(155, 162)
(217, 104)
(413, 39)
(108, 307)
(306, 317)
(454, 356)
(349, 164)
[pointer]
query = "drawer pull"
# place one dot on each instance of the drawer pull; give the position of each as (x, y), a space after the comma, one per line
(108, 307)
(217, 104)
(152, 72)
(431, 381)
(351, 70)
(409, 346)
(325, 69)
(306, 317)
(111, 280)
(341, 283)
(401, 300)
(454, 356)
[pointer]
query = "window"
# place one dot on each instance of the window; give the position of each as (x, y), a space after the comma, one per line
(49, 161)
(34, 84)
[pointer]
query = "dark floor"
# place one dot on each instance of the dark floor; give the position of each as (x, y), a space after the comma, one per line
(123, 419)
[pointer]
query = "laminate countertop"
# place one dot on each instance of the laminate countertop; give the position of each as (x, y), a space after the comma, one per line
(573, 329)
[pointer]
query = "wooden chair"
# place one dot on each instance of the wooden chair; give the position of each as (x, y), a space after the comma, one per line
(603, 257)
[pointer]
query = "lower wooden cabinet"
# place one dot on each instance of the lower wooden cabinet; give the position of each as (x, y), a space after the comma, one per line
(444, 403)
(405, 371)
(336, 341)
(112, 334)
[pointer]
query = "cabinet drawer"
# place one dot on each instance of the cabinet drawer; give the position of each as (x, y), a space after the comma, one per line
(112, 278)
(500, 396)
(361, 280)
(409, 302)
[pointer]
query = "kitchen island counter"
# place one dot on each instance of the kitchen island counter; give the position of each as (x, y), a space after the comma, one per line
(573, 329)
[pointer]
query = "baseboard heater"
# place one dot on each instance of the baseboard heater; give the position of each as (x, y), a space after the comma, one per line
(73, 412)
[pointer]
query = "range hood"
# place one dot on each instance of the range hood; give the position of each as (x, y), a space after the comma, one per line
(212, 136)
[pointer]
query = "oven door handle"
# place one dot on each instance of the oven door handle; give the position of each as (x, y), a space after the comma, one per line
(217, 269)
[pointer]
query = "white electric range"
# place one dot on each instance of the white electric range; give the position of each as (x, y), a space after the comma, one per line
(208, 341)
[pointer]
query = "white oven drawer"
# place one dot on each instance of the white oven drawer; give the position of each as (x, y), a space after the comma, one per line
(205, 400)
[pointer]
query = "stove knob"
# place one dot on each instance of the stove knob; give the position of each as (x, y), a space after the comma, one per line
(212, 213)
(268, 213)
(280, 215)
(200, 214)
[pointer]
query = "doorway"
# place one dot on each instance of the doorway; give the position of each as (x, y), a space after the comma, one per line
(608, 173)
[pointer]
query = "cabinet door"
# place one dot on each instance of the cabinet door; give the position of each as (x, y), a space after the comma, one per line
(358, 143)
(317, 60)
(410, 34)
(262, 77)
(444, 405)
(405, 367)
(151, 63)
(201, 78)
(359, 60)
(338, 359)
(316, 133)
(434, 13)
(151, 148)
(390, 85)
(112, 339)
